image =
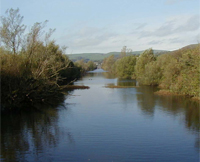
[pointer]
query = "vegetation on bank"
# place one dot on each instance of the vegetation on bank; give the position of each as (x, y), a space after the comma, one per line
(33, 67)
(85, 66)
(175, 72)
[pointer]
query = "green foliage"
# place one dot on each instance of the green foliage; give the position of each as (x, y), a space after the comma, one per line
(182, 72)
(125, 67)
(145, 58)
(84, 67)
(35, 72)
(108, 64)
(152, 74)
(177, 71)
(91, 65)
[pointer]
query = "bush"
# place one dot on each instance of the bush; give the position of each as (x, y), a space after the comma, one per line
(145, 58)
(124, 67)
(33, 69)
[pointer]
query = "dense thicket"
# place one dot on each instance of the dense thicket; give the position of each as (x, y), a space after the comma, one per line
(177, 71)
(85, 66)
(33, 67)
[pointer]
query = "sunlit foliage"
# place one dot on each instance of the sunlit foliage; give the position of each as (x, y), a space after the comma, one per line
(124, 67)
(32, 65)
(85, 66)
(108, 64)
(177, 71)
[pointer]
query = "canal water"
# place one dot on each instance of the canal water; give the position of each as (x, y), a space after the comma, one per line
(103, 124)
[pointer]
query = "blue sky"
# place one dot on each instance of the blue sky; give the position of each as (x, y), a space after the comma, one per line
(108, 25)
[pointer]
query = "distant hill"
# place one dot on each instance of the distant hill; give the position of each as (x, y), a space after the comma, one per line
(191, 46)
(100, 56)
(178, 52)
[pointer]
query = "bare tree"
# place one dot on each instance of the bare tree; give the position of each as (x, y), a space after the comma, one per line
(12, 29)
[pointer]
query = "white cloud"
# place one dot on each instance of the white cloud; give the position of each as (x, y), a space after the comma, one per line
(140, 26)
(174, 33)
(87, 38)
(191, 24)
(175, 25)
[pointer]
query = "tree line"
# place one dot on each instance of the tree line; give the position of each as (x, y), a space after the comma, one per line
(33, 67)
(174, 72)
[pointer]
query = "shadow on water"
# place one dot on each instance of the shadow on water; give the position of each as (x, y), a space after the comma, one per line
(148, 102)
(173, 105)
(189, 110)
(177, 104)
(146, 99)
(26, 134)
(100, 74)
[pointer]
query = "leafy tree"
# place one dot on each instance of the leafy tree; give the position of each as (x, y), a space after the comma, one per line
(146, 57)
(180, 71)
(108, 63)
(176, 71)
(84, 67)
(125, 67)
(152, 74)
(91, 65)
(186, 79)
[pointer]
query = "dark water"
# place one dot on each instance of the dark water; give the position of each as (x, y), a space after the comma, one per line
(103, 124)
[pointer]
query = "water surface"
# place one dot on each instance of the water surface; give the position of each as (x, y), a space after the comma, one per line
(106, 124)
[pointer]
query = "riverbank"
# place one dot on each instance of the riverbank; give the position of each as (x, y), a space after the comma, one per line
(176, 72)
(168, 93)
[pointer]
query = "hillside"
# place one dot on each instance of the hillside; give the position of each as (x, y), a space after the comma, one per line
(101, 56)
(191, 46)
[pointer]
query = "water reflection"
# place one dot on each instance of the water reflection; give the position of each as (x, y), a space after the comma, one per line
(181, 105)
(174, 105)
(123, 83)
(126, 82)
(146, 99)
(148, 102)
(109, 76)
(189, 110)
(30, 133)
(97, 121)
